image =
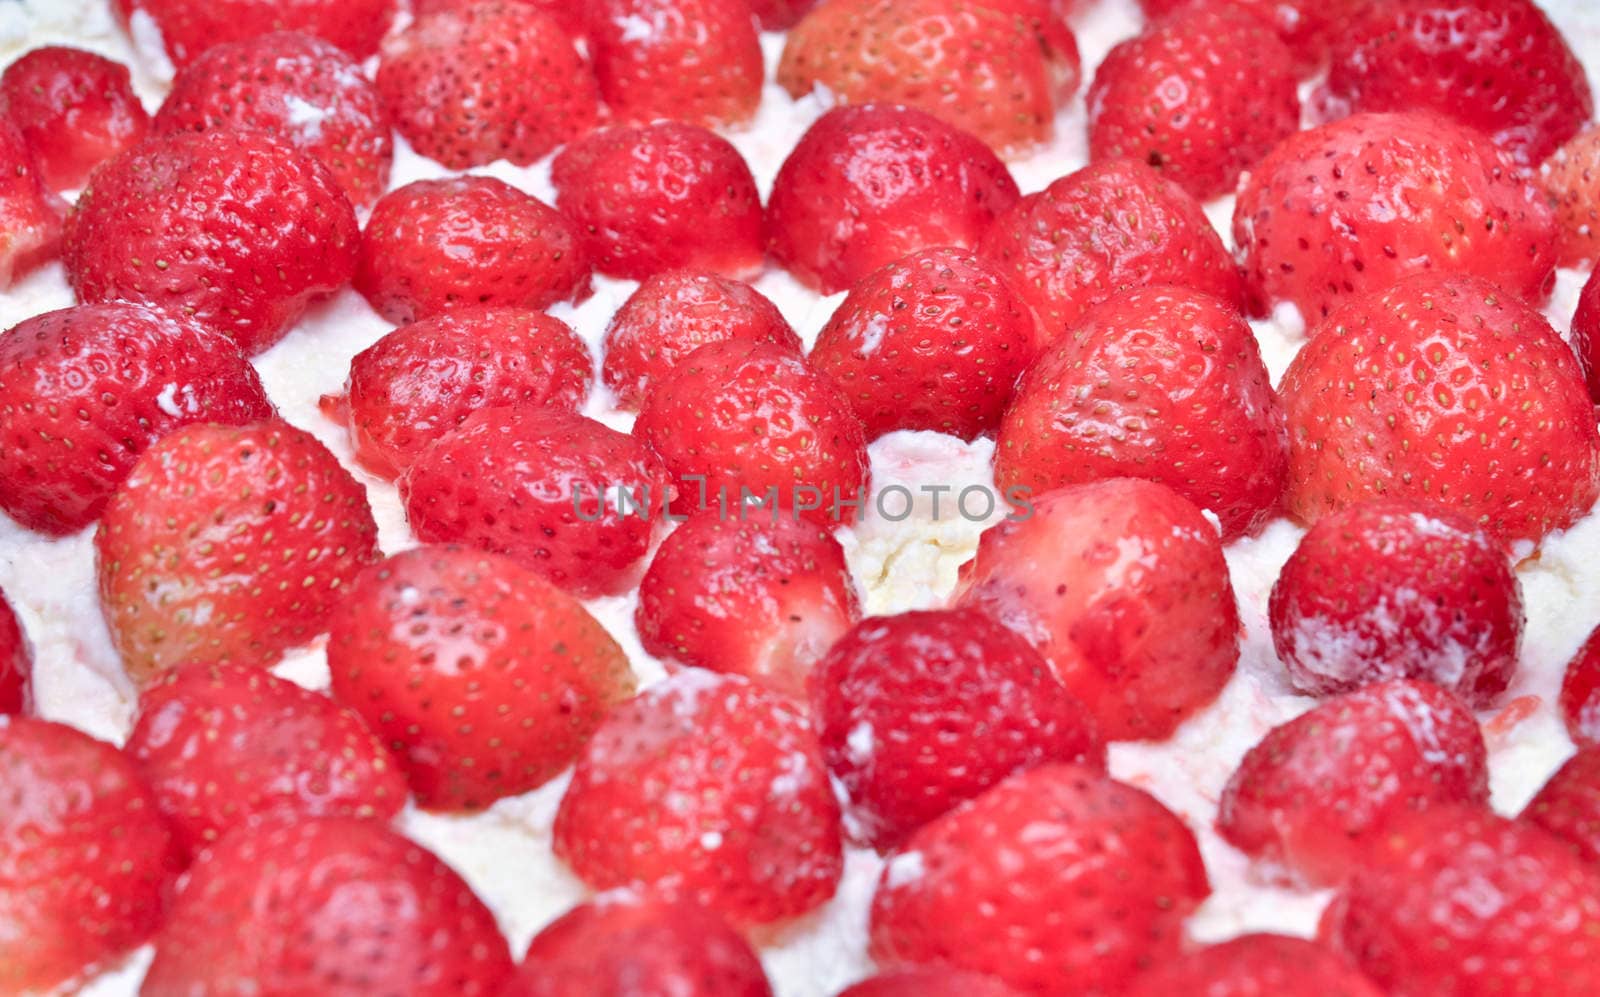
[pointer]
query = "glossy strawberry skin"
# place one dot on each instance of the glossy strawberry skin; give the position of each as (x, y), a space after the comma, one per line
(228, 544)
(1081, 880)
(663, 196)
(75, 109)
(437, 245)
(1109, 227)
(85, 390)
(1256, 965)
(762, 596)
(227, 746)
(237, 230)
(482, 678)
(1572, 178)
(16, 663)
(566, 13)
(476, 83)
(709, 788)
(929, 982)
(934, 341)
(1307, 27)
(1352, 207)
(1568, 805)
(1580, 693)
(696, 61)
(541, 484)
(780, 15)
(1384, 590)
(86, 861)
(326, 905)
(298, 88)
(1122, 586)
(422, 380)
(189, 27)
(867, 185)
(1586, 333)
(1316, 792)
(673, 314)
(1447, 390)
(30, 215)
(1164, 383)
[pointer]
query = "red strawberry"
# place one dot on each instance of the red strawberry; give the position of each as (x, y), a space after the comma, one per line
(673, 314)
(569, 15)
(329, 906)
(762, 597)
(710, 788)
(1109, 227)
(1448, 390)
(1580, 693)
(189, 27)
(226, 746)
(424, 379)
(1077, 882)
(1498, 66)
(920, 711)
(1349, 208)
(661, 197)
(482, 677)
(1307, 27)
(228, 544)
(1122, 586)
(1385, 590)
(1586, 332)
(436, 245)
(85, 390)
(30, 215)
(1462, 902)
(1200, 95)
(1568, 806)
(543, 485)
(1318, 791)
(929, 982)
(75, 109)
(1163, 383)
(1256, 966)
(1572, 178)
(16, 663)
(697, 61)
(85, 858)
(866, 185)
(621, 946)
(934, 341)
(780, 15)
(300, 89)
(495, 80)
(237, 230)
(739, 419)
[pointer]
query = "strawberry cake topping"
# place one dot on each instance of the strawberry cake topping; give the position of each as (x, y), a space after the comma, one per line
(74, 110)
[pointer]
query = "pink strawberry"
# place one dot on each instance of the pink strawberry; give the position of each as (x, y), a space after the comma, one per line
(75, 109)
(189, 27)
(16, 663)
(697, 61)
(30, 215)
(1572, 178)
(1256, 966)
(1568, 805)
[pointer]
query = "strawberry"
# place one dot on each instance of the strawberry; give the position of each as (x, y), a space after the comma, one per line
(920, 711)
(1111, 226)
(1498, 66)
(85, 390)
(435, 245)
(189, 27)
(329, 906)
(424, 379)
(706, 787)
(1386, 590)
(1200, 95)
(1586, 332)
(935, 340)
(738, 420)
(661, 197)
(482, 677)
(1078, 881)
(495, 80)
(30, 215)
(1457, 901)
(85, 858)
(228, 544)
(237, 230)
(977, 65)
(673, 314)
(16, 663)
(620, 946)
(569, 15)
(543, 485)
(1580, 693)
(696, 61)
(302, 90)
(1349, 208)
(1122, 586)
(929, 982)
(1164, 383)
(1256, 966)
(227, 746)
(75, 109)
(865, 186)
(780, 15)
(1448, 390)
(1568, 806)
(1307, 27)
(1315, 793)
(1572, 178)
(758, 597)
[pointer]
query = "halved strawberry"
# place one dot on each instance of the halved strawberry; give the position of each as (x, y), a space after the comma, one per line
(1256, 966)
(189, 27)
(1572, 178)
(1580, 693)
(30, 215)
(16, 663)
(75, 109)
(697, 61)
(1568, 805)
